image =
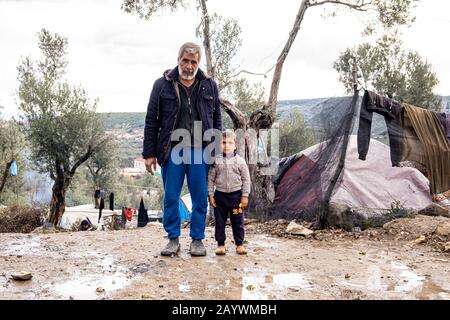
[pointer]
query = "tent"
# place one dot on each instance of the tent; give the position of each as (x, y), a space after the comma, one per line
(185, 206)
(372, 184)
(185, 213)
(315, 184)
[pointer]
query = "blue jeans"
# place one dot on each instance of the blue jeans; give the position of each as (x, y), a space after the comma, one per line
(173, 179)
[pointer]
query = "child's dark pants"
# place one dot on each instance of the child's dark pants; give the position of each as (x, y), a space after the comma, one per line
(226, 202)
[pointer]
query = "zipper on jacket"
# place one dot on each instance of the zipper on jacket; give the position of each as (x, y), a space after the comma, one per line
(177, 93)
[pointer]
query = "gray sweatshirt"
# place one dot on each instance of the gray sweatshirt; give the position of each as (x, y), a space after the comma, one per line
(229, 174)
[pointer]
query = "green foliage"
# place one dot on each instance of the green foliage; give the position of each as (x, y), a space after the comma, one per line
(377, 14)
(63, 127)
(295, 135)
(103, 166)
(225, 38)
(246, 97)
(81, 190)
(128, 121)
(12, 145)
(401, 74)
(147, 8)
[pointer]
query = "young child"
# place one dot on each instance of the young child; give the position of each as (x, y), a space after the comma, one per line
(231, 177)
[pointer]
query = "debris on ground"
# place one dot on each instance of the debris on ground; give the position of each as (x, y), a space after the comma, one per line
(420, 240)
(296, 229)
(21, 276)
(20, 219)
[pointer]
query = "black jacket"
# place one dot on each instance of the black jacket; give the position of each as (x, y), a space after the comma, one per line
(164, 107)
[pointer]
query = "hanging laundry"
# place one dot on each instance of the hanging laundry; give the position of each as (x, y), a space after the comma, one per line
(391, 111)
(142, 215)
(444, 119)
(128, 212)
(101, 207)
(111, 201)
(13, 168)
(435, 146)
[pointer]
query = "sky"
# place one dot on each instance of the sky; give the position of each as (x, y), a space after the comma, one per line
(116, 57)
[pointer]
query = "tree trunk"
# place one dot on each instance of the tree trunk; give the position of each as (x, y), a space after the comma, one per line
(263, 193)
(272, 104)
(206, 40)
(5, 176)
(58, 202)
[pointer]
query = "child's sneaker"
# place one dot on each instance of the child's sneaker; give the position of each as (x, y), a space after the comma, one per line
(241, 250)
(220, 251)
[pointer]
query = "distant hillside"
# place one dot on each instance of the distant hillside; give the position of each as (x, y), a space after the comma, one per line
(309, 108)
(124, 120)
(313, 110)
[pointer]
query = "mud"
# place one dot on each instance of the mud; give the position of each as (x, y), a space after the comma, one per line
(126, 265)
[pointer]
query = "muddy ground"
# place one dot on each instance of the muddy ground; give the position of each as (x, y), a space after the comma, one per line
(332, 264)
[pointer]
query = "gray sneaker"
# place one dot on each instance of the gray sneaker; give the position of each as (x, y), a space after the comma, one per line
(197, 249)
(172, 248)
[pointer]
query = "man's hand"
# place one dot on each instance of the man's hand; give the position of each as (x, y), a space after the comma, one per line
(212, 201)
(150, 165)
(244, 201)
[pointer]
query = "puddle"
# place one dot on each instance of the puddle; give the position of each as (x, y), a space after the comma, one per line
(26, 246)
(272, 286)
(264, 242)
(84, 286)
(408, 279)
(184, 288)
(291, 280)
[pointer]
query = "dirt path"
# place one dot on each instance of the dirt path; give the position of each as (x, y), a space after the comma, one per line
(127, 265)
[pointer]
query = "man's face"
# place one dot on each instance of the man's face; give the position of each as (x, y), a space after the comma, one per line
(188, 65)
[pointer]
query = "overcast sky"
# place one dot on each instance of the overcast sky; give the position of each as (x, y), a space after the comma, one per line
(116, 57)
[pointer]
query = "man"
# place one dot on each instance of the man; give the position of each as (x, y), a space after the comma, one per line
(183, 96)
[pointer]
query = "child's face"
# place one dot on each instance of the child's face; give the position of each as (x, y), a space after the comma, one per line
(228, 145)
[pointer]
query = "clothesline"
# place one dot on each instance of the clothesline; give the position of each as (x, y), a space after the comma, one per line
(125, 185)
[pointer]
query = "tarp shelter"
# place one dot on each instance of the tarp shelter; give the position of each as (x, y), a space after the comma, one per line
(372, 184)
(307, 184)
(185, 206)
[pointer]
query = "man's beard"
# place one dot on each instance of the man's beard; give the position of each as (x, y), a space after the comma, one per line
(185, 75)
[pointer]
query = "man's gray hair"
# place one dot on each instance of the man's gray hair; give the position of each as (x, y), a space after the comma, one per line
(190, 47)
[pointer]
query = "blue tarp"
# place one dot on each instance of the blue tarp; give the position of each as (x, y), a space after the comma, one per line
(14, 168)
(185, 215)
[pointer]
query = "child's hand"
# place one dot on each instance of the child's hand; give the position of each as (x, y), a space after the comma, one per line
(244, 201)
(212, 201)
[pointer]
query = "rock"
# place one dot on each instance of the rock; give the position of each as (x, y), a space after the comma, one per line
(443, 229)
(295, 228)
(435, 210)
(419, 240)
(22, 276)
(147, 296)
(447, 247)
(99, 290)
(249, 221)
(38, 230)
(345, 217)
(356, 229)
